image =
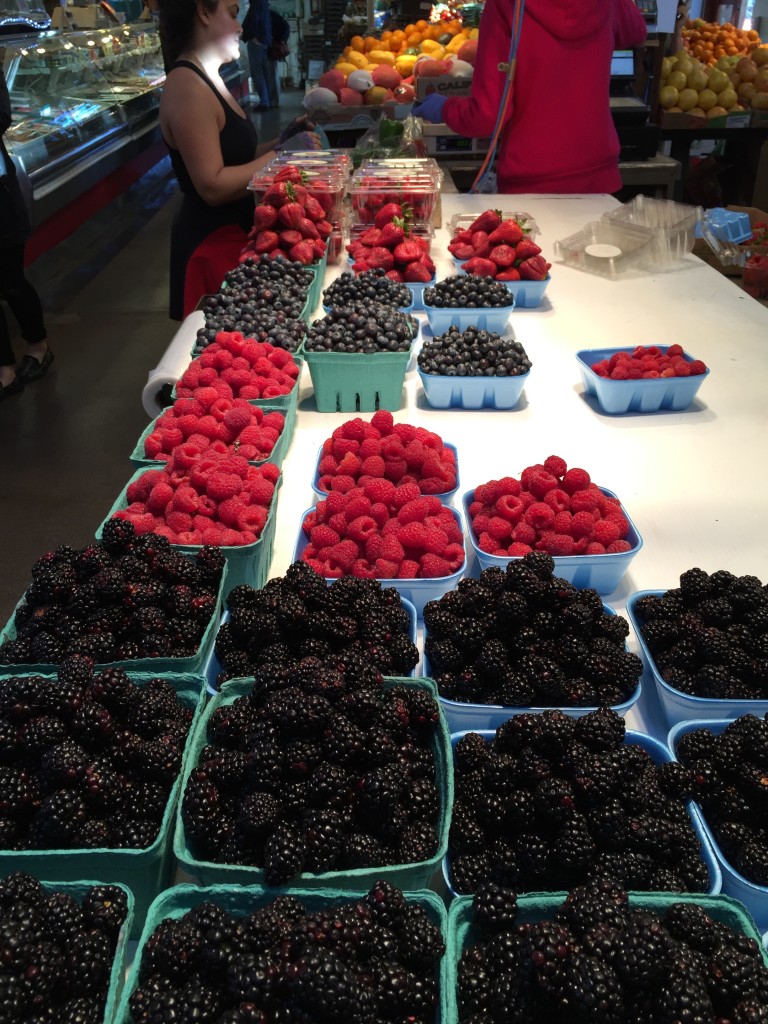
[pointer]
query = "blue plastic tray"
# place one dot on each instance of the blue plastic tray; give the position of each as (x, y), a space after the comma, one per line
(472, 392)
(490, 716)
(602, 572)
(493, 318)
(673, 394)
(682, 707)
(418, 591)
(416, 289)
(445, 497)
(660, 755)
(753, 896)
(528, 294)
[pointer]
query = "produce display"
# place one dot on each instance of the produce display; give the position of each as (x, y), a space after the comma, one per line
(374, 958)
(63, 949)
(374, 284)
(608, 960)
(127, 597)
(299, 616)
(526, 638)
(553, 801)
(384, 532)
(362, 327)
(648, 363)
(473, 353)
(709, 87)
(708, 637)
(725, 774)
(492, 247)
(710, 41)
(317, 769)
(464, 292)
(550, 508)
(235, 367)
(93, 758)
(392, 245)
(199, 496)
(383, 452)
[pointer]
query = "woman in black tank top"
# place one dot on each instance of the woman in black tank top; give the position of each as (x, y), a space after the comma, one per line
(212, 144)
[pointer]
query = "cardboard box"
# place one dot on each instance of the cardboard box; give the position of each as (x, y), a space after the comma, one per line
(703, 251)
(735, 119)
(444, 85)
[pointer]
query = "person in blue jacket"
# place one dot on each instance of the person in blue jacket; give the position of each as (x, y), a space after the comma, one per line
(257, 33)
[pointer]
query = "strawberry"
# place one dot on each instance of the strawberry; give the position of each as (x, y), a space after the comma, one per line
(503, 255)
(480, 267)
(321, 191)
(526, 248)
(291, 215)
(426, 261)
(535, 268)
(394, 275)
(279, 193)
(371, 236)
(487, 221)
(480, 243)
(324, 228)
(289, 173)
(360, 266)
(289, 238)
(508, 274)
(307, 228)
(278, 252)
(318, 245)
(463, 236)
(508, 231)
(302, 252)
(314, 210)
(265, 241)
(463, 251)
(407, 252)
(391, 235)
(416, 271)
(378, 256)
(387, 213)
(423, 243)
(263, 217)
(356, 249)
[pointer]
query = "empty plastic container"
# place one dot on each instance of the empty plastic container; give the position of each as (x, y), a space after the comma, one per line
(672, 226)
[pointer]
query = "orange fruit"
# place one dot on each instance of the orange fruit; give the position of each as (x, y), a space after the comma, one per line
(421, 25)
(357, 43)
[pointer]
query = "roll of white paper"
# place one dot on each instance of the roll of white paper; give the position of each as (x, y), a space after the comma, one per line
(173, 363)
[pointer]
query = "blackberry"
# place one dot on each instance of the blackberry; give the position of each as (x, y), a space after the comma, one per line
(683, 998)
(418, 842)
(322, 984)
(642, 952)
(495, 908)
(284, 855)
(105, 908)
(258, 814)
(63, 917)
(588, 989)
(689, 923)
(361, 850)
(58, 821)
(469, 871)
(601, 730)
(593, 904)
(323, 840)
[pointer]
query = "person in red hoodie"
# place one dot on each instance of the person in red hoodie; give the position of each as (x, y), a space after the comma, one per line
(559, 136)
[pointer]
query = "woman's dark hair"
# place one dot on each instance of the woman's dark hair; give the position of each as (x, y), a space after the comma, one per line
(177, 26)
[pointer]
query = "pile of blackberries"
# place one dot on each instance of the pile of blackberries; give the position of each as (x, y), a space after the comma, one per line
(124, 598)
(473, 353)
(465, 291)
(374, 959)
(553, 801)
(87, 761)
(709, 636)
(277, 330)
(526, 638)
(370, 286)
(364, 327)
(727, 773)
(605, 960)
(57, 951)
(317, 769)
(297, 616)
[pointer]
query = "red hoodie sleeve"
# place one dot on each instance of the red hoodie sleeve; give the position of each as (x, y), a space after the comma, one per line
(474, 116)
(629, 26)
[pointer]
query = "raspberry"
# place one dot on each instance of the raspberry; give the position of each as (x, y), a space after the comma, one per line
(540, 516)
(391, 549)
(385, 569)
(433, 566)
(696, 366)
(229, 511)
(343, 445)
(379, 490)
(517, 550)
(555, 465)
(540, 482)
(159, 497)
(409, 569)
(562, 523)
(179, 522)
(357, 506)
(221, 486)
(618, 546)
(327, 465)
(362, 570)
(269, 472)
(582, 524)
(342, 484)
(260, 489)
(380, 512)
(253, 519)
(350, 465)
(605, 532)
(621, 521)
(412, 535)
(435, 541)
(559, 544)
(237, 420)
(557, 499)
(584, 501)
(395, 470)
(373, 466)
(338, 522)
(417, 511)
(362, 528)
(383, 422)
(489, 544)
(403, 494)
(214, 535)
(344, 554)
(524, 533)
(206, 396)
(575, 480)
(370, 446)
(499, 528)
(510, 507)
(354, 429)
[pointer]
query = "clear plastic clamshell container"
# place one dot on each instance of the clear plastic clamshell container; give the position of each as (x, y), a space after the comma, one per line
(673, 227)
(605, 247)
(403, 165)
(326, 183)
(314, 158)
(373, 188)
(462, 221)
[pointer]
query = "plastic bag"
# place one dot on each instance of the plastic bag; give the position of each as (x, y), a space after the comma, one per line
(390, 138)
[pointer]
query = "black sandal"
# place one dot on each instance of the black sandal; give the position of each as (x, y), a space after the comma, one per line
(34, 369)
(14, 388)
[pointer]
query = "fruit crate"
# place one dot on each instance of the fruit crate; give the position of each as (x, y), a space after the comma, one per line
(213, 666)
(404, 876)
(673, 394)
(490, 716)
(145, 872)
(417, 591)
(445, 497)
(602, 572)
(753, 896)
(528, 294)
(676, 705)
(357, 381)
(660, 755)
(542, 906)
(156, 666)
(489, 318)
(246, 563)
(242, 900)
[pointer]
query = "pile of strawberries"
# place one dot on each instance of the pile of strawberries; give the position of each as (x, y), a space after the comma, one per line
(373, 194)
(221, 424)
(390, 244)
(214, 498)
(498, 248)
(359, 451)
(648, 364)
(550, 508)
(288, 221)
(380, 531)
(238, 367)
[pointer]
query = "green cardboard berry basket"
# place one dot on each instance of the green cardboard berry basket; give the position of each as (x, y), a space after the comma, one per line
(357, 381)
(156, 666)
(246, 563)
(538, 906)
(404, 876)
(286, 404)
(242, 900)
(145, 872)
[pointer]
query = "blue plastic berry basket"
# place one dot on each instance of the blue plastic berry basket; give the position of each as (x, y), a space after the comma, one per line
(753, 896)
(461, 715)
(660, 755)
(445, 497)
(528, 294)
(660, 394)
(542, 907)
(444, 392)
(489, 318)
(213, 665)
(404, 876)
(676, 705)
(602, 572)
(240, 901)
(417, 591)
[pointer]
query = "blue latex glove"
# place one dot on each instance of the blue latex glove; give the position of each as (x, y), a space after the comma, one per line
(297, 125)
(431, 108)
(303, 142)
